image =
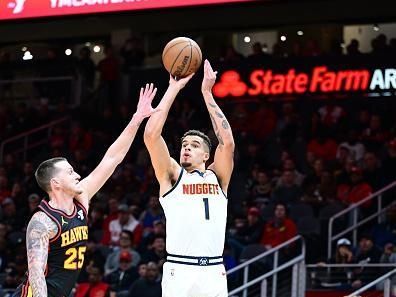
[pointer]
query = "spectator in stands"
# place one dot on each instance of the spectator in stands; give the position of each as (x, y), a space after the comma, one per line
(279, 229)
(385, 232)
(156, 251)
(246, 233)
(33, 201)
(339, 276)
(323, 147)
(366, 253)
(149, 285)
(353, 145)
(390, 162)
(95, 286)
(18, 194)
(287, 124)
(261, 187)
(353, 48)
(147, 239)
(121, 279)
(258, 56)
(372, 171)
(109, 74)
(133, 54)
(5, 190)
(125, 221)
(331, 115)
(95, 223)
(230, 56)
(113, 260)
(288, 192)
(289, 164)
(28, 183)
(355, 190)
(86, 68)
(264, 121)
(375, 135)
(152, 213)
(10, 216)
(79, 138)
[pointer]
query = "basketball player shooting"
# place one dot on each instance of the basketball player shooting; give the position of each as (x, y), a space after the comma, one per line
(193, 197)
(57, 233)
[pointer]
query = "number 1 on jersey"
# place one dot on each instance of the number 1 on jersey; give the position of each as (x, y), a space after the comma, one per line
(206, 203)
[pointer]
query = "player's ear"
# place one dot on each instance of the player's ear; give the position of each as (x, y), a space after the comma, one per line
(54, 182)
(206, 157)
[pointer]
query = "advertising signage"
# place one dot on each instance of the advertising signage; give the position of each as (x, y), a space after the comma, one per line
(18, 9)
(317, 80)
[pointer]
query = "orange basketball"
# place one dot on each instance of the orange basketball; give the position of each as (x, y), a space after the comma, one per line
(181, 57)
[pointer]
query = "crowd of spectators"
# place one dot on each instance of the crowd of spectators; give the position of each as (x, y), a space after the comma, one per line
(293, 162)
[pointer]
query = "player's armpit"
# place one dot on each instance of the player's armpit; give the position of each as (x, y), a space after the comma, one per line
(38, 234)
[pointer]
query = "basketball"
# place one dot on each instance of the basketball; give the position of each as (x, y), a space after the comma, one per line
(181, 57)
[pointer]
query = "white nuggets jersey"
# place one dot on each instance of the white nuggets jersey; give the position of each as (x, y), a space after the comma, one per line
(196, 214)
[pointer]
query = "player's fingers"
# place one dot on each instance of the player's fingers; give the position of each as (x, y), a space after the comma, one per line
(141, 92)
(153, 94)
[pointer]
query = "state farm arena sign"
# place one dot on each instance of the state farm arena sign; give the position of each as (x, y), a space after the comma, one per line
(318, 80)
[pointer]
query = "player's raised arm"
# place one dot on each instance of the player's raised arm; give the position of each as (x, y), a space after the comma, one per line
(39, 231)
(224, 155)
(117, 151)
(166, 169)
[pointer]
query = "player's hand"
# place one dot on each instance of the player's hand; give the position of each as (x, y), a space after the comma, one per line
(144, 108)
(209, 78)
(180, 83)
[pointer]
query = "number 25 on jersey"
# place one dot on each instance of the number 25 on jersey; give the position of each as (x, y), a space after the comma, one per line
(75, 259)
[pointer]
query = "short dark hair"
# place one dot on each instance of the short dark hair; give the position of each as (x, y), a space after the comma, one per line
(45, 171)
(205, 137)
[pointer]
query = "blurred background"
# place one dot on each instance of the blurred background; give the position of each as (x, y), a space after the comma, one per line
(308, 88)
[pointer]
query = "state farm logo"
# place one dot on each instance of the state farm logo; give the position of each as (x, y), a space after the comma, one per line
(16, 6)
(230, 84)
(321, 80)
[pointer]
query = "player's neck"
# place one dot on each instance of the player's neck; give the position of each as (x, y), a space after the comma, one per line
(62, 201)
(198, 168)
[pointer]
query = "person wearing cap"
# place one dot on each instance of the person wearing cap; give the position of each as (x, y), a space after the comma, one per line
(338, 277)
(125, 221)
(249, 234)
(113, 259)
(121, 279)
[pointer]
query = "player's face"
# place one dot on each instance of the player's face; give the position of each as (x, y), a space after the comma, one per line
(67, 179)
(194, 152)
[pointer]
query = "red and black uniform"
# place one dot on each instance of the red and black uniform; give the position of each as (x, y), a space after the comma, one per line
(66, 251)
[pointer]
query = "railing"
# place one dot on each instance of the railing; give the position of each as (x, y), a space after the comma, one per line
(24, 138)
(387, 285)
(320, 277)
(298, 273)
(353, 209)
(75, 86)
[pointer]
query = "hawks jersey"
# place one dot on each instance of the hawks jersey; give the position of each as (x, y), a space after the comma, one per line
(66, 251)
(196, 213)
